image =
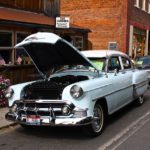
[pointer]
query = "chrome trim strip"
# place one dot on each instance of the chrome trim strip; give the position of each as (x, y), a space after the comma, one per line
(113, 92)
(46, 101)
(99, 87)
(133, 85)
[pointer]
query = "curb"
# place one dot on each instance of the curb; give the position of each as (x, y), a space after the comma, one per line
(8, 125)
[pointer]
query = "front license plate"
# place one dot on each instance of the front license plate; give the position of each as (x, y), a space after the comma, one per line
(33, 120)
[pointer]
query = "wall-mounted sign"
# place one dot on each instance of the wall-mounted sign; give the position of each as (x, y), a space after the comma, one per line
(62, 22)
(112, 46)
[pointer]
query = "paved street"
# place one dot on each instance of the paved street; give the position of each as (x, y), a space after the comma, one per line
(127, 129)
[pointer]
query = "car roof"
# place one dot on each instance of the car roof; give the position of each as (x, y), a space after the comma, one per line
(102, 53)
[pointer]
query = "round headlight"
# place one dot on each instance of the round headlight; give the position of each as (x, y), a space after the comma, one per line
(76, 91)
(9, 93)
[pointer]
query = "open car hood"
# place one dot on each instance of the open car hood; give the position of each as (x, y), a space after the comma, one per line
(47, 50)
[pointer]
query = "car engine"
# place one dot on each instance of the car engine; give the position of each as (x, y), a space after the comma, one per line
(50, 89)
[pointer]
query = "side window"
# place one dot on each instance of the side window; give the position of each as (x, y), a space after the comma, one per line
(114, 64)
(126, 63)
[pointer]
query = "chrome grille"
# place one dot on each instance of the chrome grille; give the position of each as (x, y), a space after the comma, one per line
(42, 109)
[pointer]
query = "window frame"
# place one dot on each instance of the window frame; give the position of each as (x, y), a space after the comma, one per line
(118, 59)
(9, 49)
(75, 42)
(19, 32)
(12, 40)
(130, 63)
(137, 3)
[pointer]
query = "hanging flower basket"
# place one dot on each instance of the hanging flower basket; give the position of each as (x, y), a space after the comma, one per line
(4, 84)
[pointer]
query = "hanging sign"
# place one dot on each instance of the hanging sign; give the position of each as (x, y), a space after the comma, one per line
(62, 22)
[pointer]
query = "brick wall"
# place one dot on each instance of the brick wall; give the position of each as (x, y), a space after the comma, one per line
(106, 19)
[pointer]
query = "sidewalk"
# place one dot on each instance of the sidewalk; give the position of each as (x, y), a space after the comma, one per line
(3, 122)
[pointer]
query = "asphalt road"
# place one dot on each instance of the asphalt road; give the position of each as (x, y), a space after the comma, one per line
(128, 129)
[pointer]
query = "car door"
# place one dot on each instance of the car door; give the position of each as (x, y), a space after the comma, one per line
(121, 84)
(127, 73)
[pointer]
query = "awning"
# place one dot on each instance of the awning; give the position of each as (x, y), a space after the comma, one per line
(31, 19)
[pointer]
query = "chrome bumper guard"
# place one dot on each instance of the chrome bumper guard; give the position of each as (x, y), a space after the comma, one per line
(49, 115)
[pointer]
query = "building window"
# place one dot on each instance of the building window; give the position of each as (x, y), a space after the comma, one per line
(21, 56)
(139, 39)
(6, 47)
(77, 42)
(5, 39)
(137, 3)
(144, 5)
(21, 36)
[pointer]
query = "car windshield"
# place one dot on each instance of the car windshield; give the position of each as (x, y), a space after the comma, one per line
(74, 68)
(99, 63)
(142, 61)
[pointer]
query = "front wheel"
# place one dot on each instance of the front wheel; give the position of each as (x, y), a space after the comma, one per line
(97, 125)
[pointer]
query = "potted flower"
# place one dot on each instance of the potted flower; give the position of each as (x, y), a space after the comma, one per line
(4, 83)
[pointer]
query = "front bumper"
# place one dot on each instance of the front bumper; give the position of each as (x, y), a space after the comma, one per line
(29, 113)
(48, 121)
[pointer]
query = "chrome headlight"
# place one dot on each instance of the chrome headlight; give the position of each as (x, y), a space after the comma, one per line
(9, 93)
(66, 110)
(76, 91)
(13, 109)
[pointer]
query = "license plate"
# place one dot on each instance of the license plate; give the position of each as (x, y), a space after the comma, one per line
(33, 120)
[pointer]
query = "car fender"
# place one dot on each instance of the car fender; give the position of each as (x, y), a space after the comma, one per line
(17, 88)
(93, 90)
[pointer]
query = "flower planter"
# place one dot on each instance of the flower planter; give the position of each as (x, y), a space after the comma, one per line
(4, 84)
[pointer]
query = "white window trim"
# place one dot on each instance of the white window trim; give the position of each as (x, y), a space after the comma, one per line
(149, 6)
(146, 42)
(137, 4)
(131, 41)
(144, 5)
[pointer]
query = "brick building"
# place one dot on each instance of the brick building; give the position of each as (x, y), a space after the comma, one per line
(114, 24)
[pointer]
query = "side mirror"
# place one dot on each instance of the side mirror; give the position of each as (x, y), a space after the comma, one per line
(116, 71)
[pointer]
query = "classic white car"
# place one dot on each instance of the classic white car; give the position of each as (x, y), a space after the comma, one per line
(77, 89)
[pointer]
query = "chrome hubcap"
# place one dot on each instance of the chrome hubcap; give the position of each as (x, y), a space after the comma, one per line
(98, 120)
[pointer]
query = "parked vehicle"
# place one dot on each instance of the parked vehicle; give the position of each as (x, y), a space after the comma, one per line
(77, 89)
(143, 63)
